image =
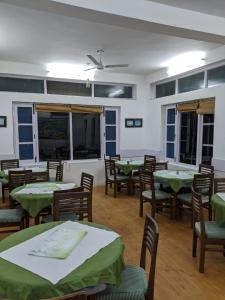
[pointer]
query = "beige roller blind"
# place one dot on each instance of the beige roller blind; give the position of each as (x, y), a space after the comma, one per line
(187, 106)
(206, 106)
(68, 108)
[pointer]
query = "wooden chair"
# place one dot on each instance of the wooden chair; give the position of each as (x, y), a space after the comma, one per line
(134, 284)
(219, 185)
(86, 182)
(71, 205)
(16, 179)
(115, 157)
(161, 166)
(208, 232)
(111, 177)
(52, 164)
(149, 162)
(205, 169)
(36, 177)
(156, 197)
(10, 218)
(203, 184)
(6, 165)
(59, 173)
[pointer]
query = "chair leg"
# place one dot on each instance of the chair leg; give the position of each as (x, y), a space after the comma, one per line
(224, 251)
(210, 212)
(194, 244)
(115, 190)
(106, 188)
(202, 257)
(3, 194)
(153, 209)
(141, 207)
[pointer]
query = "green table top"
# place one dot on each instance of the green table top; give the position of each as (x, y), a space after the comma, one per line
(175, 179)
(33, 203)
(17, 283)
(128, 165)
(5, 173)
(218, 207)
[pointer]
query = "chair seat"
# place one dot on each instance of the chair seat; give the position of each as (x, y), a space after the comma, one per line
(159, 195)
(4, 181)
(63, 217)
(133, 286)
(212, 230)
(11, 215)
(119, 177)
(187, 198)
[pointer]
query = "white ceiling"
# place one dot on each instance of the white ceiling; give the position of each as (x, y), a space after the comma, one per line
(38, 37)
(211, 7)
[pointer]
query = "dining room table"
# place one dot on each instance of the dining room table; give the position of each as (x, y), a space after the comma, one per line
(4, 174)
(34, 197)
(218, 208)
(26, 276)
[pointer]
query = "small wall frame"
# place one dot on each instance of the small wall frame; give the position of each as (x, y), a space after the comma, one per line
(3, 121)
(133, 123)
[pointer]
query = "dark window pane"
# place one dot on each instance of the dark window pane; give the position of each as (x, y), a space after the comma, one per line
(86, 136)
(110, 117)
(188, 141)
(21, 85)
(216, 76)
(26, 151)
(53, 136)
(171, 113)
(25, 133)
(170, 133)
(68, 88)
(113, 91)
(165, 89)
(191, 83)
(207, 154)
(110, 133)
(208, 134)
(24, 115)
(170, 150)
(110, 148)
(208, 118)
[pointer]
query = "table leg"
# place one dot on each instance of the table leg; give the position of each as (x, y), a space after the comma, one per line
(37, 220)
(174, 206)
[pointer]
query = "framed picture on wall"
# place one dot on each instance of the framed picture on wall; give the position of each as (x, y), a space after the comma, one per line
(138, 122)
(3, 121)
(132, 123)
(129, 122)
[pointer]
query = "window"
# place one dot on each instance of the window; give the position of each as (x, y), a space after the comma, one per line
(191, 83)
(68, 88)
(216, 76)
(207, 139)
(21, 85)
(113, 91)
(170, 132)
(86, 136)
(53, 135)
(111, 128)
(188, 137)
(165, 89)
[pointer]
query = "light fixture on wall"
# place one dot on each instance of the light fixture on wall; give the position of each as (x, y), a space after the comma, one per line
(88, 83)
(185, 62)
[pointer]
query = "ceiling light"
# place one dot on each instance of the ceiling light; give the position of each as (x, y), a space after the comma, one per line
(70, 71)
(185, 62)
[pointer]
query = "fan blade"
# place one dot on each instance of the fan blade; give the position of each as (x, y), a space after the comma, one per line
(117, 66)
(93, 60)
(91, 69)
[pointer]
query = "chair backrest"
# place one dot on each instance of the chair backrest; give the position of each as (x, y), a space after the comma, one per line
(149, 162)
(59, 173)
(161, 166)
(203, 184)
(86, 182)
(74, 296)
(53, 163)
(38, 177)
(219, 185)
(9, 164)
(146, 180)
(198, 215)
(115, 157)
(205, 169)
(150, 243)
(110, 168)
(18, 178)
(72, 201)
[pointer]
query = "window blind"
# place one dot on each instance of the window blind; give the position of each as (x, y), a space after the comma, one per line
(68, 108)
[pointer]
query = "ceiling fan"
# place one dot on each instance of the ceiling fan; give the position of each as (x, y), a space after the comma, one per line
(99, 64)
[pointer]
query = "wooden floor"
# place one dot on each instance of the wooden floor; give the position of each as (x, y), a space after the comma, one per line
(177, 275)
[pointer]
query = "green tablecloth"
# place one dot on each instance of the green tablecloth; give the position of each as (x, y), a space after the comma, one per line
(17, 283)
(4, 173)
(127, 166)
(176, 180)
(218, 207)
(34, 203)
